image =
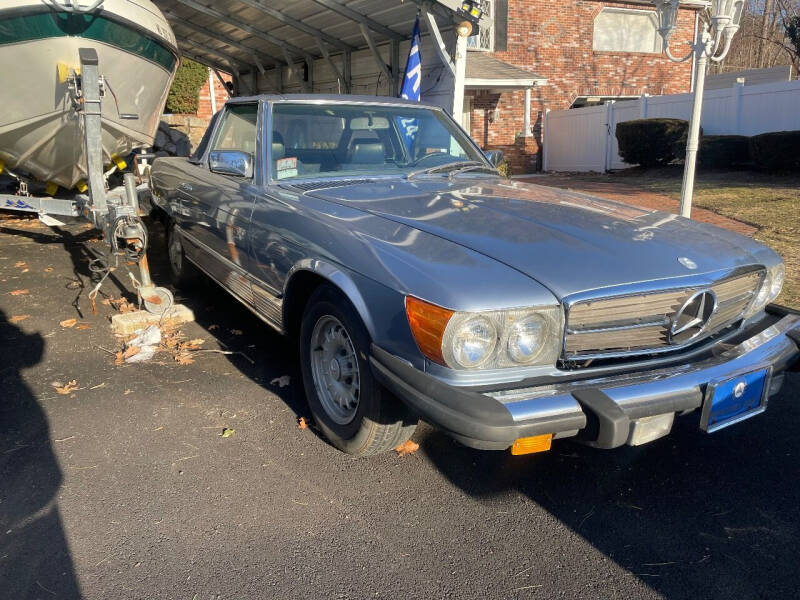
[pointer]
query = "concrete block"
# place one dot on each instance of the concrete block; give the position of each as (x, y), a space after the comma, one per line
(128, 323)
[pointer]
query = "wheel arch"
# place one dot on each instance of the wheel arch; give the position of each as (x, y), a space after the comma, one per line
(301, 282)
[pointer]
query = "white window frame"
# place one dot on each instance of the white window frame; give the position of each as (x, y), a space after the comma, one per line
(619, 10)
(484, 41)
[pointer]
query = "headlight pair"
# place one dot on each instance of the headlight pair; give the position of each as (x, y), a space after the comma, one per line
(770, 288)
(486, 340)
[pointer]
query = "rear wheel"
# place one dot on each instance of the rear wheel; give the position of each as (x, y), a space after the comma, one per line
(182, 273)
(354, 411)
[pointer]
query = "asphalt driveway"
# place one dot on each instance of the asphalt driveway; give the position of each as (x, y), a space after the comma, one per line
(125, 487)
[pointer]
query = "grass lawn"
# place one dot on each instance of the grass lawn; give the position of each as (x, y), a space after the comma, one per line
(768, 202)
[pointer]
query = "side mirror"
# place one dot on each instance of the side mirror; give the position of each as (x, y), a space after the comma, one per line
(494, 156)
(231, 162)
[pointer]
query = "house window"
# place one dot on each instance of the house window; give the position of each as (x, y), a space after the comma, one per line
(626, 30)
(485, 38)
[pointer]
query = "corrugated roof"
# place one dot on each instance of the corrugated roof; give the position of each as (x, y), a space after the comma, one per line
(232, 32)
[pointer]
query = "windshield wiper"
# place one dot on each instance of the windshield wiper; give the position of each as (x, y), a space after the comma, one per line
(455, 163)
(474, 167)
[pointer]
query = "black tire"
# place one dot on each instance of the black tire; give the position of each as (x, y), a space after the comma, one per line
(183, 274)
(381, 421)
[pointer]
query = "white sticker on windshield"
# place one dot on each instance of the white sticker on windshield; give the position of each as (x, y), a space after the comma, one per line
(286, 167)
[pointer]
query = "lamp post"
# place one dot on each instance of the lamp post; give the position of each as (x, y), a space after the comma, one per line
(713, 42)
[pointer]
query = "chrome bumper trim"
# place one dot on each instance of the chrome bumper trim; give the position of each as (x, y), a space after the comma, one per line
(640, 393)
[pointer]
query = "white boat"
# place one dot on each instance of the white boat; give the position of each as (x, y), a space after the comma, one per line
(41, 133)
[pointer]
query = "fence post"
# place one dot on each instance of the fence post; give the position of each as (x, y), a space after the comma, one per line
(609, 134)
(546, 141)
(643, 106)
(738, 89)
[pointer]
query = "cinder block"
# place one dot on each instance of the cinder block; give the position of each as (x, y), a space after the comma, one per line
(128, 323)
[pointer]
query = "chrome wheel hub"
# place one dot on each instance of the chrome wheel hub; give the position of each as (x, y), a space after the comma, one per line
(334, 369)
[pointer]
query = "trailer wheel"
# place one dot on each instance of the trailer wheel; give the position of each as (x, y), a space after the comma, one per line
(182, 272)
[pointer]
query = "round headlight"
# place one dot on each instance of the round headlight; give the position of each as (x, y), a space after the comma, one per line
(473, 341)
(526, 339)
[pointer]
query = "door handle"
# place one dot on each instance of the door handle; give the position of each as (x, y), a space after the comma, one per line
(184, 187)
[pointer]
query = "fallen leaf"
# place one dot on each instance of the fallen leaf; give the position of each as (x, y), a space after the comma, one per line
(236, 332)
(48, 269)
(66, 390)
(408, 447)
(18, 318)
(68, 323)
(183, 359)
(131, 351)
(24, 270)
(213, 327)
(21, 264)
(82, 326)
(118, 358)
(302, 423)
(191, 344)
(227, 432)
(281, 381)
(19, 292)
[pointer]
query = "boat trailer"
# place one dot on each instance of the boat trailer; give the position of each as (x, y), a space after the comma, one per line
(113, 211)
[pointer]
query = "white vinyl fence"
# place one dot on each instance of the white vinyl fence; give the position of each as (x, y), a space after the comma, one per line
(582, 139)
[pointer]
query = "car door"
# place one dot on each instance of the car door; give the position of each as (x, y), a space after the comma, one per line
(281, 232)
(218, 206)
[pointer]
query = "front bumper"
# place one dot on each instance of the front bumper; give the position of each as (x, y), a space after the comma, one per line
(603, 410)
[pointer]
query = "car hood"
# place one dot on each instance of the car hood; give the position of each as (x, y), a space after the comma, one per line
(566, 241)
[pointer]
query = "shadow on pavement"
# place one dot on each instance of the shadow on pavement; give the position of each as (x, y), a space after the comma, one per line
(693, 516)
(35, 560)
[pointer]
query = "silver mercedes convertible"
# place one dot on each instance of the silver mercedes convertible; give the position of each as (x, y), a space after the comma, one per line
(418, 283)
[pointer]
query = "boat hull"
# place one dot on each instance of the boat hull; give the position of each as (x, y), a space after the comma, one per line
(41, 132)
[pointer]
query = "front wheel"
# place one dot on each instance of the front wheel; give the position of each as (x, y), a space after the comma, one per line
(354, 411)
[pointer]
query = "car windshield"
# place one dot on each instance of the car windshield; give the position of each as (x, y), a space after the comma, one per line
(323, 140)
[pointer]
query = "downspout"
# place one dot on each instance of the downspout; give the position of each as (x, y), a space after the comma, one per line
(694, 55)
(211, 91)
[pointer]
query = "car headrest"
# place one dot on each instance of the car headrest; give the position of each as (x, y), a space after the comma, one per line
(366, 151)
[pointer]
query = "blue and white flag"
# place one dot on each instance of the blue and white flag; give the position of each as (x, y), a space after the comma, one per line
(413, 76)
(411, 85)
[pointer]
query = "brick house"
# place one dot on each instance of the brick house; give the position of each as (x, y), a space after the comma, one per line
(569, 53)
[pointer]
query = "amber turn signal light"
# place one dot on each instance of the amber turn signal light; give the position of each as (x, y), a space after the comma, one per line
(428, 323)
(529, 445)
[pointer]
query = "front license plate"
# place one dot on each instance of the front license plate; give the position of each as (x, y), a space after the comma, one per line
(730, 401)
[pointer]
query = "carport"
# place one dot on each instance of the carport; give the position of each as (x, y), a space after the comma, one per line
(328, 46)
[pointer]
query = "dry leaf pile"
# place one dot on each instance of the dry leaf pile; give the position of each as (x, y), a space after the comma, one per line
(120, 304)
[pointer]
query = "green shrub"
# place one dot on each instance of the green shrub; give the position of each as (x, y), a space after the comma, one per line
(723, 151)
(185, 91)
(776, 151)
(652, 142)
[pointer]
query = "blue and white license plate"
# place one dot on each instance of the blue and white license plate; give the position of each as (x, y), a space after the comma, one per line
(733, 400)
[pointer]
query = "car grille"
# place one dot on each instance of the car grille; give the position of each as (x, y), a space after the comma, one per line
(640, 323)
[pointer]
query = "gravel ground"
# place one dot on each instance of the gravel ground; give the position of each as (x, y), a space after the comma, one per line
(125, 487)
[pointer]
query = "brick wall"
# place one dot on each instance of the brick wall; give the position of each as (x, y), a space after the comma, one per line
(554, 41)
(221, 96)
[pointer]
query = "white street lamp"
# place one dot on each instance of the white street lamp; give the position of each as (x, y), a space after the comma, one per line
(712, 43)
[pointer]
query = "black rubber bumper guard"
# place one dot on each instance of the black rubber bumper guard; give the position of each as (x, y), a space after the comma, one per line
(480, 421)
